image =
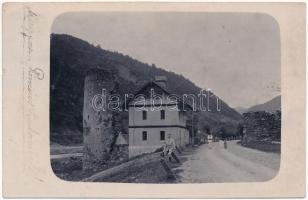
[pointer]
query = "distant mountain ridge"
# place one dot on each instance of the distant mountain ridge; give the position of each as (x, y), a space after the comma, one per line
(269, 106)
(240, 109)
(71, 58)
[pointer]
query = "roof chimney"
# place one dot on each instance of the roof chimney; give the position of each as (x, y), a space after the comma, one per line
(161, 81)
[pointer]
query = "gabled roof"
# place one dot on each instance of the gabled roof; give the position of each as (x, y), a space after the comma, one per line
(153, 84)
(122, 139)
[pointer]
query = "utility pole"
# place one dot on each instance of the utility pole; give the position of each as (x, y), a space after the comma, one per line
(192, 127)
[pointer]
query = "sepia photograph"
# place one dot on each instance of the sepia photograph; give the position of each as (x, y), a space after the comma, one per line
(165, 97)
(154, 100)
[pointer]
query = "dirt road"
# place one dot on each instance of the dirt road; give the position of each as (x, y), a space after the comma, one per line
(67, 155)
(234, 164)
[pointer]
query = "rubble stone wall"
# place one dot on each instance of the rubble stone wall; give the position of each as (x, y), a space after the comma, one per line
(262, 126)
(97, 125)
(119, 153)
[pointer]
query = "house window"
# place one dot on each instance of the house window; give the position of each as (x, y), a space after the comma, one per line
(162, 114)
(144, 135)
(162, 135)
(144, 115)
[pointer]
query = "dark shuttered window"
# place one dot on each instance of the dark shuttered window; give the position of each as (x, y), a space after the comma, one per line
(144, 135)
(162, 114)
(144, 115)
(162, 135)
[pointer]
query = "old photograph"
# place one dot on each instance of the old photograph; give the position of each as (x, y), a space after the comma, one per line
(165, 97)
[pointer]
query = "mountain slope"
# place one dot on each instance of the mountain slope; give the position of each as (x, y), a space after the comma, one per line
(270, 106)
(240, 110)
(71, 58)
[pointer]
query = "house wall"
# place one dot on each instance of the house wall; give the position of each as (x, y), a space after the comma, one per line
(138, 146)
(174, 124)
(172, 116)
(153, 117)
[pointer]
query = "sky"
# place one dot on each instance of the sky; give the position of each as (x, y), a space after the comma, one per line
(236, 55)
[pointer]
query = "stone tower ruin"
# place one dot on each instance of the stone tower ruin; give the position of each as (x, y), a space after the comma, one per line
(97, 121)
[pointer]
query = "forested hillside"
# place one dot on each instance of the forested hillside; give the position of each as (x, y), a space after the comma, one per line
(71, 58)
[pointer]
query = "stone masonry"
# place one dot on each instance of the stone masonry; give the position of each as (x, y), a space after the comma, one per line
(97, 124)
(262, 127)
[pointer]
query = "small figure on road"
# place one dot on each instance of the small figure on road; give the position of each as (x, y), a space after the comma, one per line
(225, 144)
(169, 146)
(209, 139)
(244, 136)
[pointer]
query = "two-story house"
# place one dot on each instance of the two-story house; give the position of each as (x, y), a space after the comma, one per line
(151, 120)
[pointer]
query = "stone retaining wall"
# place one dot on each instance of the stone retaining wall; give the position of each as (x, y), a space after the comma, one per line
(262, 127)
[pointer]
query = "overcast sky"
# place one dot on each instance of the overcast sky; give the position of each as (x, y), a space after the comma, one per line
(237, 56)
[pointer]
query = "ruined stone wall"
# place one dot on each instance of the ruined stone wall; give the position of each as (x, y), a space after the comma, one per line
(101, 126)
(262, 126)
(119, 153)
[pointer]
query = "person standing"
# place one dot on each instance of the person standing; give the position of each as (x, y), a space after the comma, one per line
(225, 144)
(169, 147)
(210, 140)
(244, 136)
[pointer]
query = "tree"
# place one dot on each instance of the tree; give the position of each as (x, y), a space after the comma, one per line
(240, 130)
(223, 133)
